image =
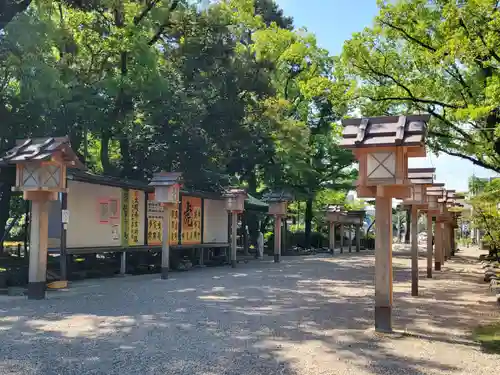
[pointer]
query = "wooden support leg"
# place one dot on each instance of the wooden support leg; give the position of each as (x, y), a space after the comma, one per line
(38, 250)
(123, 263)
(234, 233)
(358, 238)
(332, 237)
(341, 238)
(383, 264)
(349, 228)
(277, 238)
(438, 247)
(165, 245)
(414, 251)
(429, 246)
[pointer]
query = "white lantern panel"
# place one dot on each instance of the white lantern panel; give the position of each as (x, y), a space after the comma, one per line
(167, 194)
(277, 208)
(50, 176)
(30, 176)
(381, 165)
(417, 193)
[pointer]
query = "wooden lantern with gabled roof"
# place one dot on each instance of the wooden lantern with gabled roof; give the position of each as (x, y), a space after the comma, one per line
(382, 145)
(41, 165)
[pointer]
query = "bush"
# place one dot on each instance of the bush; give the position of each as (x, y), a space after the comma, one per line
(297, 239)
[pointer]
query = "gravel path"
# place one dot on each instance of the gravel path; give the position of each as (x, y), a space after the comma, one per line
(307, 316)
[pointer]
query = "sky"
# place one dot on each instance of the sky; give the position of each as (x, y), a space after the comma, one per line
(333, 22)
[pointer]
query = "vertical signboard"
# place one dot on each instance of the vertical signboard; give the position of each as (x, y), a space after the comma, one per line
(155, 222)
(191, 220)
(134, 217)
(125, 217)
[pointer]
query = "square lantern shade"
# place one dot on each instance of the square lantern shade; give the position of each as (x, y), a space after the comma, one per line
(41, 165)
(235, 200)
(381, 167)
(432, 202)
(167, 187)
(334, 213)
(278, 202)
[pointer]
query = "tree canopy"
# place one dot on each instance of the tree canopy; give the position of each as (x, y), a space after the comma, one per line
(439, 57)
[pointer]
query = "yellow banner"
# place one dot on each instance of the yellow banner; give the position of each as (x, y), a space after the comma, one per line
(134, 217)
(191, 220)
(125, 218)
(155, 223)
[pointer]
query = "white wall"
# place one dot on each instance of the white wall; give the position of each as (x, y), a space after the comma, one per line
(84, 229)
(215, 221)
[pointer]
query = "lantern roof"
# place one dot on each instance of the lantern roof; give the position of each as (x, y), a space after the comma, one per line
(277, 196)
(335, 208)
(233, 192)
(436, 189)
(43, 149)
(423, 176)
(166, 179)
(356, 213)
(387, 131)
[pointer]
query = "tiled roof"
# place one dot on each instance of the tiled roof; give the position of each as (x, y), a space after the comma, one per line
(277, 196)
(42, 149)
(384, 131)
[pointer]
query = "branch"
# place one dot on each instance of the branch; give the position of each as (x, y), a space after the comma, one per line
(145, 11)
(163, 26)
(409, 37)
(418, 100)
(471, 159)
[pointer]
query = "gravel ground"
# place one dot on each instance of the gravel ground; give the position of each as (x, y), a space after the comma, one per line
(307, 316)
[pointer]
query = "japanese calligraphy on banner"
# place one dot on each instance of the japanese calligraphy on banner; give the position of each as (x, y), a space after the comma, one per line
(191, 220)
(125, 218)
(134, 217)
(155, 222)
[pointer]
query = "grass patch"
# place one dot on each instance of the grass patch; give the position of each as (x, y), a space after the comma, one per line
(489, 337)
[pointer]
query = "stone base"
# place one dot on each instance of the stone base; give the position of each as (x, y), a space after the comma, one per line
(276, 258)
(164, 273)
(36, 290)
(383, 319)
(429, 273)
(437, 266)
(233, 263)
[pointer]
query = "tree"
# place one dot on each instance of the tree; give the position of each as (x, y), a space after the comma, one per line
(486, 215)
(314, 96)
(438, 57)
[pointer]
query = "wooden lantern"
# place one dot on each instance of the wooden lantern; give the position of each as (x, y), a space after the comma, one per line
(355, 217)
(382, 145)
(167, 187)
(334, 213)
(420, 178)
(235, 200)
(41, 175)
(278, 202)
(41, 166)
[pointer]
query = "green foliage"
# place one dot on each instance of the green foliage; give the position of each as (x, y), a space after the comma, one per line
(489, 337)
(486, 213)
(438, 57)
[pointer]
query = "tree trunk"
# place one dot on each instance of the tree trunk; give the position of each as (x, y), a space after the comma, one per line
(7, 180)
(107, 167)
(408, 225)
(126, 158)
(308, 222)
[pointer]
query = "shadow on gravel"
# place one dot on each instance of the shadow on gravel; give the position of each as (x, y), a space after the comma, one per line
(261, 318)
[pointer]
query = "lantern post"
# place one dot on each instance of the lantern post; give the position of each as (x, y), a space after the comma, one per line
(167, 187)
(382, 145)
(355, 218)
(278, 202)
(432, 193)
(235, 204)
(41, 165)
(334, 214)
(420, 178)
